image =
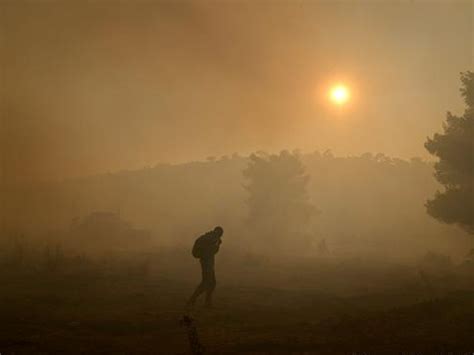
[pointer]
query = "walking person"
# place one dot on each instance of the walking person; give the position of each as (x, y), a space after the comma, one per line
(204, 249)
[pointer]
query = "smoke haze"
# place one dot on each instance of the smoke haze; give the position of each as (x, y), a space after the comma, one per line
(94, 87)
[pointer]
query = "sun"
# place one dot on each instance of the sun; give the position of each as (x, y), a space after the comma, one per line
(339, 94)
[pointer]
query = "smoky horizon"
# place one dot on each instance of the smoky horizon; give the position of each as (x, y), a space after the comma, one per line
(91, 88)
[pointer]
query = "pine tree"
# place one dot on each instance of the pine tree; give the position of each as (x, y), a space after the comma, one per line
(279, 207)
(455, 168)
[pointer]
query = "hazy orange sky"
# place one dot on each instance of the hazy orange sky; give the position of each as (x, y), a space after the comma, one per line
(103, 86)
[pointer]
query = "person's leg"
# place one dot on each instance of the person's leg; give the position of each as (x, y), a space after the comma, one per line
(201, 287)
(199, 290)
(211, 285)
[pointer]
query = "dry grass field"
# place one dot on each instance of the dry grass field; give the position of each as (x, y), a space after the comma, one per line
(133, 304)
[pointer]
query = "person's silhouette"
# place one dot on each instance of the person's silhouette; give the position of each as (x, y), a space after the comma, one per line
(205, 247)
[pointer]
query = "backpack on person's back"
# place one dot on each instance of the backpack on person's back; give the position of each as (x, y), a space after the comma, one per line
(199, 247)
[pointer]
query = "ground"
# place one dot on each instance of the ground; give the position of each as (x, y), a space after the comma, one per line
(123, 307)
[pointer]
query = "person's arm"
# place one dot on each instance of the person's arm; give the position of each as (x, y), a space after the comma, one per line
(215, 245)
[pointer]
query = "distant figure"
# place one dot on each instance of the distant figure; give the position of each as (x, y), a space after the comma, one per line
(322, 247)
(204, 249)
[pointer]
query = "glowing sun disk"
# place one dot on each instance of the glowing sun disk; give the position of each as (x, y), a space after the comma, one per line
(339, 94)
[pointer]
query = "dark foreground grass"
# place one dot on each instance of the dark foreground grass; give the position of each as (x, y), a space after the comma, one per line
(89, 311)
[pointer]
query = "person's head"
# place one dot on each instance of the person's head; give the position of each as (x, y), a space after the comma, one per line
(218, 231)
